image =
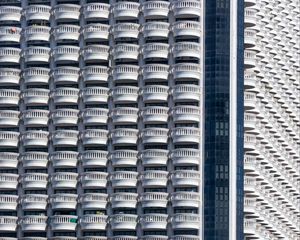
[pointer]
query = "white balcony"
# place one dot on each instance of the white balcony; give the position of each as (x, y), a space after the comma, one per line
(34, 159)
(249, 58)
(156, 29)
(186, 199)
(37, 12)
(124, 179)
(183, 156)
(93, 179)
(249, 38)
(65, 95)
(36, 75)
(126, 10)
(9, 139)
(37, 33)
(154, 157)
(63, 201)
(186, 221)
(187, 71)
(9, 160)
(154, 199)
(187, 28)
(64, 159)
(95, 53)
(155, 135)
(33, 223)
(94, 158)
(64, 180)
(9, 97)
(126, 30)
(186, 114)
(250, 226)
(187, 50)
(155, 114)
(10, 13)
(156, 9)
(249, 205)
(95, 95)
(34, 202)
(9, 55)
(124, 200)
(123, 221)
(249, 121)
(34, 181)
(124, 136)
(9, 118)
(66, 32)
(186, 92)
(186, 135)
(94, 116)
(66, 75)
(36, 138)
(65, 54)
(10, 34)
(155, 50)
(66, 12)
(93, 201)
(250, 17)
(154, 221)
(8, 223)
(126, 72)
(35, 96)
(124, 158)
(154, 178)
(125, 94)
(63, 223)
(250, 80)
(184, 8)
(249, 142)
(186, 178)
(8, 202)
(126, 51)
(36, 54)
(154, 93)
(65, 138)
(95, 74)
(94, 137)
(154, 237)
(124, 115)
(250, 163)
(9, 76)
(155, 71)
(65, 116)
(96, 31)
(249, 100)
(250, 185)
(96, 11)
(93, 222)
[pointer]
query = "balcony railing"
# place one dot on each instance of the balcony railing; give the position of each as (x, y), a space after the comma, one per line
(66, 32)
(95, 94)
(124, 179)
(10, 13)
(156, 29)
(186, 92)
(154, 199)
(151, 178)
(125, 72)
(93, 200)
(125, 94)
(155, 71)
(64, 159)
(63, 201)
(10, 55)
(96, 11)
(94, 179)
(37, 33)
(186, 114)
(8, 202)
(63, 223)
(66, 12)
(185, 199)
(35, 96)
(124, 200)
(155, 114)
(124, 115)
(94, 137)
(124, 157)
(186, 221)
(36, 54)
(123, 221)
(66, 53)
(126, 30)
(34, 159)
(95, 53)
(94, 115)
(9, 118)
(33, 223)
(93, 222)
(10, 34)
(182, 156)
(154, 221)
(156, 9)
(186, 178)
(8, 223)
(96, 31)
(36, 75)
(126, 51)
(34, 180)
(64, 180)
(9, 160)
(35, 138)
(95, 74)
(9, 139)
(65, 116)
(37, 12)
(126, 10)
(186, 135)
(34, 202)
(187, 28)
(187, 49)
(186, 8)
(155, 135)
(9, 76)
(154, 157)
(152, 93)
(184, 71)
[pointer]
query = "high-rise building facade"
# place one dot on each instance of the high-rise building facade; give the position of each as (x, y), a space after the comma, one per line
(149, 120)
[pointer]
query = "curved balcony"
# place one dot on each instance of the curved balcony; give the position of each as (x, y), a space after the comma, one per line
(8, 223)
(154, 221)
(33, 223)
(9, 160)
(64, 159)
(155, 71)
(94, 116)
(65, 95)
(10, 55)
(66, 12)
(37, 12)
(9, 139)
(95, 53)
(154, 93)
(249, 38)
(36, 54)
(126, 30)
(123, 221)
(126, 51)
(154, 199)
(124, 158)
(34, 181)
(184, 71)
(186, 92)
(8, 202)
(250, 80)
(186, 199)
(155, 114)
(156, 9)
(93, 222)
(93, 179)
(155, 135)
(125, 94)
(94, 158)
(249, 58)
(249, 121)
(96, 31)
(186, 114)
(34, 159)
(154, 157)
(126, 72)
(36, 75)
(154, 178)
(37, 33)
(186, 135)
(63, 223)
(127, 10)
(35, 96)
(95, 95)
(249, 100)
(183, 156)
(9, 97)
(65, 137)
(123, 179)
(155, 237)
(186, 221)
(187, 28)
(64, 180)
(34, 202)
(63, 201)
(187, 50)
(249, 142)
(93, 201)
(124, 136)
(9, 118)
(156, 29)
(95, 74)
(65, 116)
(94, 137)
(124, 115)
(8, 181)
(186, 178)
(155, 50)
(9, 76)
(250, 226)
(96, 11)
(249, 205)
(250, 185)
(10, 13)
(63, 33)
(186, 8)
(123, 200)
(250, 17)
(10, 34)
(65, 54)
(36, 138)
